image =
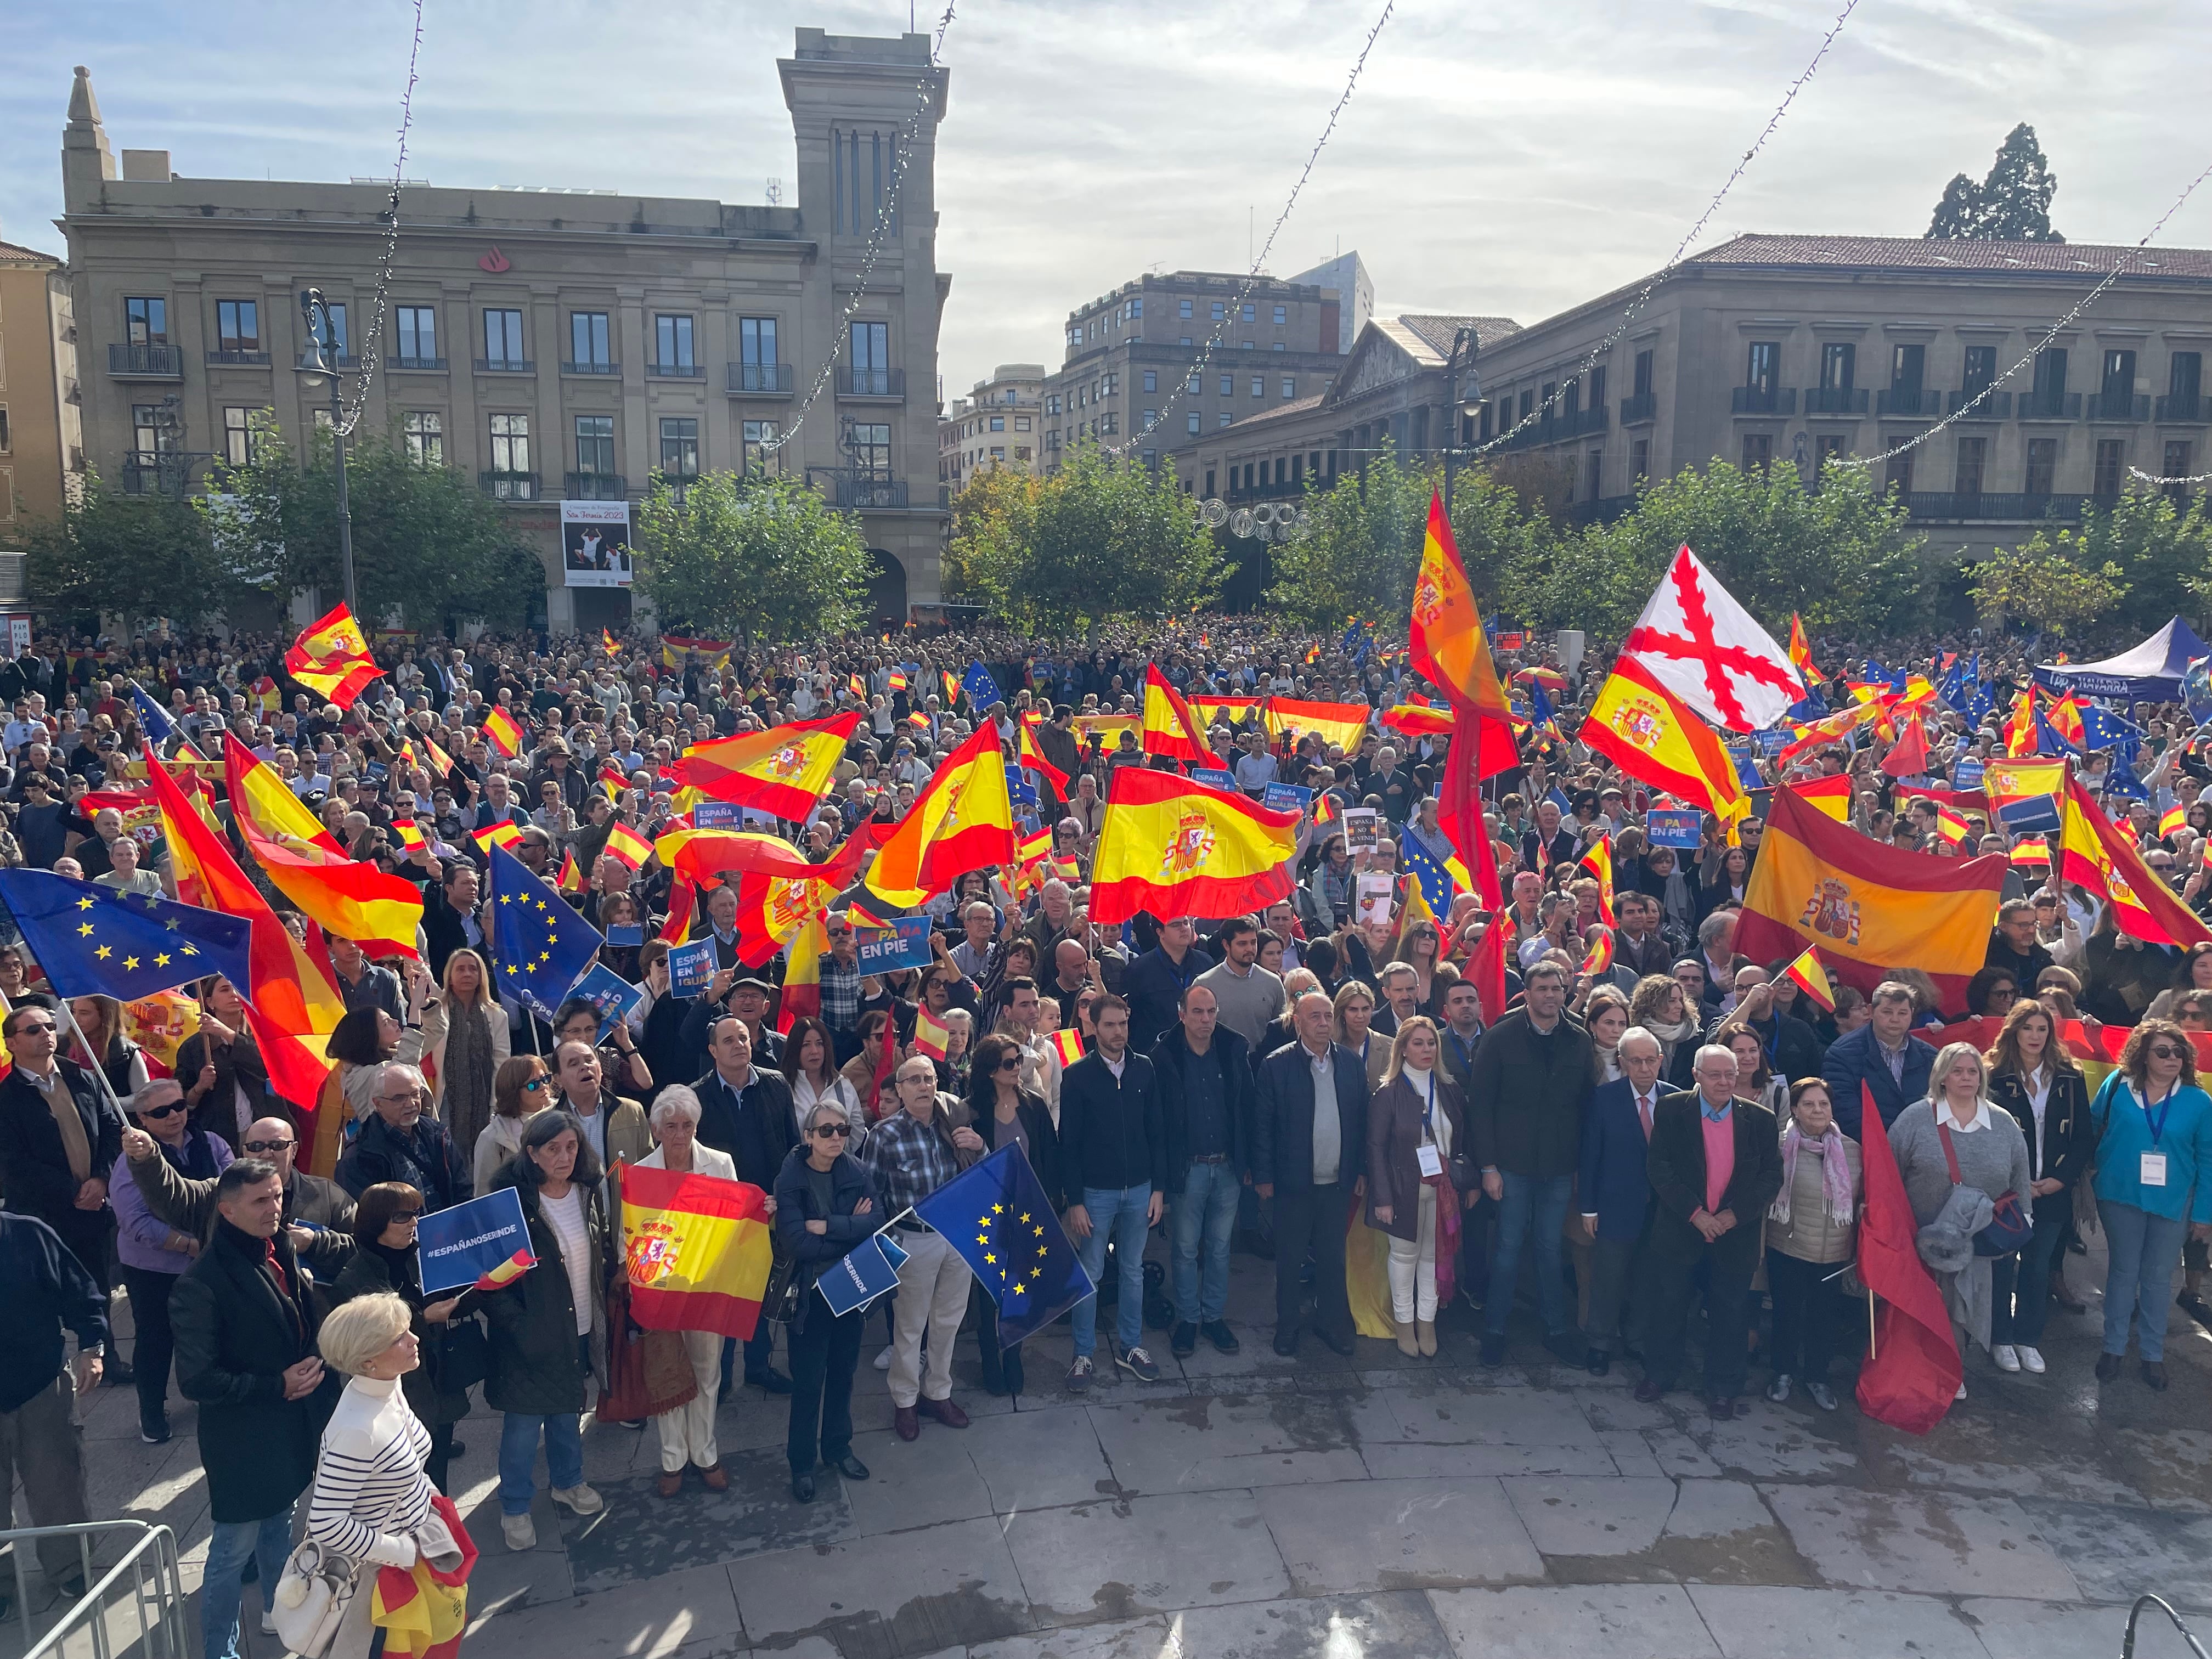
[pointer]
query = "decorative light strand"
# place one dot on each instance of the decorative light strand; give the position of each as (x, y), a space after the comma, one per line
(901, 143)
(390, 240)
(1252, 277)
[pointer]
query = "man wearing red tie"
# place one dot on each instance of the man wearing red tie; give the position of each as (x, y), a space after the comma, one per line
(1616, 1189)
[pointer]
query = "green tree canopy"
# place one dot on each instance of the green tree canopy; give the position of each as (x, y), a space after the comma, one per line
(2155, 548)
(1362, 543)
(2038, 583)
(138, 557)
(762, 556)
(2012, 204)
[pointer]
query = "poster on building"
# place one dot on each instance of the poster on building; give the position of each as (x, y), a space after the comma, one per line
(595, 544)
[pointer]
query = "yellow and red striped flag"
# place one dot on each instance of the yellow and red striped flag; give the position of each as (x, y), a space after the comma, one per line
(627, 847)
(503, 732)
(858, 687)
(1068, 1043)
(572, 875)
(613, 780)
(962, 820)
(783, 770)
(952, 687)
(1810, 977)
(1177, 848)
(1801, 653)
(352, 899)
(1600, 955)
(1598, 862)
(931, 1037)
(1949, 824)
(411, 837)
(331, 659)
(696, 1250)
(898, 680)
(2172, 822)
(1169, 727)
(607, 643)
(497, 835)
(919, 720)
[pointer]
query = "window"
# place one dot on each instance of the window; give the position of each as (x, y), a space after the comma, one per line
(595, 443)
(679, 446)
(1225, 418)
(587, 341)
(510, 456)
(1243, 345)
(1192, 426)
(1547, 398)
(417, 333)
(671, 343)
(503, 339)
(1282, 315)
(1761, 363)
(1259, 385)
(1191, 385)
(998, 453)
(998, 423)
(1110, 385)
(1832, 446)
(1278, 346)
(1248, 310)
(1642, 376)
(1898, 476)
(1021, 422)
(238, 324)
(1183, 308)
(146, 322)
(1137, 306)
(1220, 311)
(1594, 472)
(872, 446)
(1185, 340)
(2051, 374)
(1973, 455)
(2176, 466)
(150, 434)
(2111, 466)
(860, 181)
(1908, 368)
(2184, 376)
(1838, 364)
(424, 430)
(7, 439)
(1981, 369)
(761, 454)
(1528, 404)
(2042, 464)
(1151, 380)
(1597, 387)
(1022, 451)
(1570, 403)
(1640, 452)
(1228, 385)
(238, 447)
(1297, 464)
(2119, 382)
(871, 358)
(1758, 452)
(340, 341)
(1289, 387)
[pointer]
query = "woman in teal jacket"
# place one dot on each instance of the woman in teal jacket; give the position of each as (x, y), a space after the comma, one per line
(2154, 1186)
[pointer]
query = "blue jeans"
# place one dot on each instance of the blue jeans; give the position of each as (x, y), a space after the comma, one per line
(1537, 1203)
(2140, 1250)
(2021, 1285)
(518, 1456)
(1206, 1208)
(268, 1542)
(1121, 1213)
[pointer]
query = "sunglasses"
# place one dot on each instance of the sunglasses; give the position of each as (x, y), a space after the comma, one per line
(169, 1110)
(1008, 1063)
(2164, 1051)
(270, 1145)
(535, 1085)
(832, 1130)
(406, 1215)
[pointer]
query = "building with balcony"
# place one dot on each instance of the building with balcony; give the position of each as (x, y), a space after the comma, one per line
(549, 342)
(1000, 423)
(1794, 349)
(41, 431)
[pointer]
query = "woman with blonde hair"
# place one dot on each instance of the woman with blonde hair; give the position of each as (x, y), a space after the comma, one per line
(1413, 1123)
(465, 1033)
(1354, 1004)
(101, 1041)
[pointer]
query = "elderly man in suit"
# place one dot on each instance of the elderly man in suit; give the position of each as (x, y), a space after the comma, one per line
(1715, 1164)
(59, 1137)
(1615, 1185)
(1309, 1145)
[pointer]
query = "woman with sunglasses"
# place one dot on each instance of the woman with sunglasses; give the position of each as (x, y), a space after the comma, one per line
(151, 1252)
(825, 1204)
(520, 1090)
(2154, 1185)
(384, 1262)
(1004, 1111)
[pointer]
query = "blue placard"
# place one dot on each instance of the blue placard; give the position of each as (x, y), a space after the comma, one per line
(1684, 829)
(1213, 775)
(1969, 772)
(1771, 743)
(691, 968)
(1286, 797)
(857, 1279)
(459, 1246)
(904, 944)
(2032, 815)
(610, 994)
(620, 934)
(718, 815)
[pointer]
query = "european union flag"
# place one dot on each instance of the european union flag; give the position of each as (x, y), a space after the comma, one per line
(1423, 867)
(2102, 729)
(1981, 702)
(96, 942)
(997, 1217)
(153, 719)
(543, 946)
(982, 691)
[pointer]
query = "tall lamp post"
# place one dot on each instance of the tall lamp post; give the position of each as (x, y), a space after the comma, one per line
(1464, 346)
(314, 368)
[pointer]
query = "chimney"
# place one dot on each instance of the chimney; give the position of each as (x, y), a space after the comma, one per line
(147, 166)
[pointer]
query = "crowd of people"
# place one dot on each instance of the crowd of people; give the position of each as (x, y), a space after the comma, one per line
(1652, 1154)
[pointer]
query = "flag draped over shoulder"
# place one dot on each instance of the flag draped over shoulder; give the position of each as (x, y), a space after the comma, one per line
(1642, 728)
(331, 659)
(783, 770)
(1912, 1370)
(1169, 727)
(348, 897)
(962, 820)
(696, 1249)
(1868, 906)
(1178, 847)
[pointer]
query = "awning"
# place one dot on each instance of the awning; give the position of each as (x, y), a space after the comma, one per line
(2152, 669)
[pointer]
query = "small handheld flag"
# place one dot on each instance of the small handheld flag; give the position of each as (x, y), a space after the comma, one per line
(931, 1037)
(572, 878)
(1810, 977)
(496, 834)
(2173, 821)
(503, 732)
(1068, 1043)
(1599, 959)
(626, 846)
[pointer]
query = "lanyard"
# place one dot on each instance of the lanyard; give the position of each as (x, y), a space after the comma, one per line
(1466, 1054)
(1429, 1111)
(2158, 1124)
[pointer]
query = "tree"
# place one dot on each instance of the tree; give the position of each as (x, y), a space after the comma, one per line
(428, 546)
(2038, 583)
(1098, 539)
(762, 556)
(135, 556)
(2012, 204)
(2156, 547)
(1360, 546)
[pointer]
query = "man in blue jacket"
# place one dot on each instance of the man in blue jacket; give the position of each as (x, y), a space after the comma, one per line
(1308, 1155)
(1157, 979)
(1883, 1054)
(1616, 1188)
(1112, 1155)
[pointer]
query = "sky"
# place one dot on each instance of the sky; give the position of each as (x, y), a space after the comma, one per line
(1514, 158)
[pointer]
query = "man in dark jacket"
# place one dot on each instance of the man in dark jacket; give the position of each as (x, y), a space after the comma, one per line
(40, 1438)
(1708, 1213)
(1205, 1072)
(746, 1112)
(1532, 1082)
(449, 914)
(1882, 1055)
(398, 1143)
(1616, 1189)
(1112, 1148)
(1157, 979)
(1309, 1147)
(59, 1136)
(2014, 946)
(245, 1324)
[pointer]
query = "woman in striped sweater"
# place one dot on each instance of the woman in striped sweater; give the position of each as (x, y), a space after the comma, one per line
(371, 1493)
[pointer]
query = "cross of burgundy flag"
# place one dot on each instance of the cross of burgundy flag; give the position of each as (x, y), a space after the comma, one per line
(1698, 642)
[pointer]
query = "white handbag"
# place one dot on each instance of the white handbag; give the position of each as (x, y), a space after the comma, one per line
(311, 1597)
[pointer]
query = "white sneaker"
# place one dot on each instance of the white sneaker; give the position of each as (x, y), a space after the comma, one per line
(2007, 1356)
(1962, 1394)
(580, 1498)
(883, 1360)
(2030, 1361)
(268, 1622)
(519, 1532)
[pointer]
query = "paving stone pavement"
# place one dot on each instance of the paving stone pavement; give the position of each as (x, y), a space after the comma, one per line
(1251, 1507)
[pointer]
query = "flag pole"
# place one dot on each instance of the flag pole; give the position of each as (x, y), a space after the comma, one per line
(1874, 1351)
(99, 1075)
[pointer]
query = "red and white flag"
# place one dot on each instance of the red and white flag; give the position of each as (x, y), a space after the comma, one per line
(1702, 645)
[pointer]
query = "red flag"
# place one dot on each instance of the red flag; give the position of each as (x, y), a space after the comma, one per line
(1913, 1371)
(683, 900)
(1908, 755)
(1486, 966)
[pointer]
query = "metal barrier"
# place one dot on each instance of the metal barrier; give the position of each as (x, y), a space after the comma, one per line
(146, 1588)
(2128, 1649)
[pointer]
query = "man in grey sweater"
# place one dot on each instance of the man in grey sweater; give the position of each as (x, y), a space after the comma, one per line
(1249, 996)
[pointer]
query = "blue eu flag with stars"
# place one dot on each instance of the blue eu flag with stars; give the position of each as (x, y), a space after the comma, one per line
(997, 1217)
(96, 942)
(542, 945)
(982, 691)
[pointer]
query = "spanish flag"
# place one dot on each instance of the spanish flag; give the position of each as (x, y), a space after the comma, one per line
(1801, 654)
(1809, 976)
(673, 645)
(1228, 710)
(613, 780)
(1032, 759)
(801, 995)
(2172, 822)
(2095, 855)
(1340, 723)
(626, 846)
(572, 878)
(1446, 643)
(1600, 955)
(1597, 864)
(1177, 848)
(696, 1250)
(2019, 725)
(2031, 852)
(355, 901)
(1829, 728)
(1949, 824)
(931, 1038)
(1068, 1043)
(503, 732)
(607, 643)
(783, 770)
(1170, 728)
(1418, 720)
(497, 835)
(1869, 908)
(703, 856)
(1831, 795)
(411, 837)
(952, 687)
(962, 820)
(858, 687)
(331, 659)
(1638, 725)
(898, 680)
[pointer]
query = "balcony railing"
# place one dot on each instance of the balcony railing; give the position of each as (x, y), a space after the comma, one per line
(509, 486)
(1909, 403)
(594, 486)
(871, 383)
(1835, 401)
(2118, 406)
(417, 365)
(1763, 400)
(1635, 410)
(239, 357)
(1983, 506)
(145, 362)
(858, 491)
(771, 379)
(2050, 405)
(160, 472)
(1993, 406)
(673, 371)
(505, 366)
(2185, 408)
(591, 368)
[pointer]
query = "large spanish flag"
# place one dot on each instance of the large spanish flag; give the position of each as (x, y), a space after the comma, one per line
(2095, 855)
(1868, 906)
(1177, 848)
(1445, 641)
(1831, 795)
(783, 770)
(1340, 723)
(1170, 728)
(697, 1251)
(1228, 710)
(351, 899)
(962, 820)
(1637, 724)
(331, 659)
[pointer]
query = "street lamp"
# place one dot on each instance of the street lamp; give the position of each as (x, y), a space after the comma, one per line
(1464, 346)
(314, 368)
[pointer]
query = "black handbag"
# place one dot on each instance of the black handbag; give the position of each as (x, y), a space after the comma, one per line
(2009, 1228)
(463, 1357)
(786, 1295)
(1465, 1177)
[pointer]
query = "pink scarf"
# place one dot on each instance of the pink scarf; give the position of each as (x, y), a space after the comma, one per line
(1835, 1173)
